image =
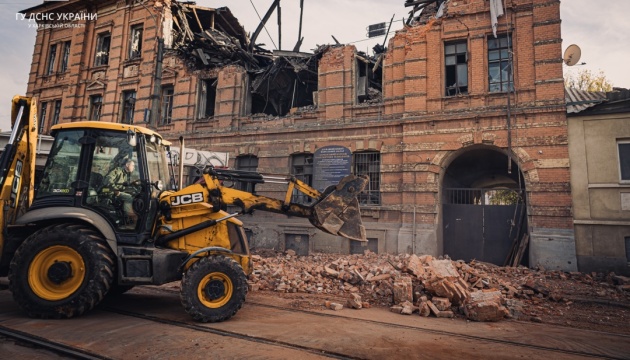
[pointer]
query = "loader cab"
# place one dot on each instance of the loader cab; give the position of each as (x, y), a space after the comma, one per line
(114, 170)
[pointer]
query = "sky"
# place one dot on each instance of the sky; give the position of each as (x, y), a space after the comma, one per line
(600, 29)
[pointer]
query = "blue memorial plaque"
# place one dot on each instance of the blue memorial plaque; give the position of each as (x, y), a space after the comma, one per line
(330, 165)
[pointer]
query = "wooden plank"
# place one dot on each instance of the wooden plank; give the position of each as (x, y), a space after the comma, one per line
(521, 250)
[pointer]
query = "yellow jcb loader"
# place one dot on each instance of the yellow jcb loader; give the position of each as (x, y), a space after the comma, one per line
(72, 238)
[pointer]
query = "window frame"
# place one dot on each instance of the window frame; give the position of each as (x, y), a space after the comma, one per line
(241, 166)
(454, 90)
(305, 175)
(619, 160)
(166, 116)
(128, 104)
(136, 29)
(56, 112)
(101, 57)
(52, 56)
(501, 59)
(93, 103)
(43, 107)
(207, 92)
(65, 57)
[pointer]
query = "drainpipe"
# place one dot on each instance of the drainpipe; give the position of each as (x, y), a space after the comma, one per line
(157, 82)
(413, 244)
(181, 162)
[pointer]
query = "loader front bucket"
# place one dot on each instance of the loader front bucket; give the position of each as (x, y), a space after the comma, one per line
(338, 211)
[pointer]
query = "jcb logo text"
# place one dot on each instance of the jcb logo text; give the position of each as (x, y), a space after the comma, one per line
(186, 199)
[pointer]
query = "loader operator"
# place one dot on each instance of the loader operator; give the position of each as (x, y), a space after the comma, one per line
(119, 180)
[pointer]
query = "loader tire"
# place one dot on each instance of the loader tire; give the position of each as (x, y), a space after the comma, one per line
(61, 271)
(213, 289)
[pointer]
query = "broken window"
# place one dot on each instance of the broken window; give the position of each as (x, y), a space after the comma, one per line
(52, 54)
(135, 42)
(42, 116)
(96, 104)
(456, 68)
(288, 82)
(623, 148)
(167, 104)
(369, 80)
(246, 163)
(369, 163)
(65, 57)
(207, 97)
(499, 67)
(302, 169)
(102, 49)
(129, 106)
(55, 119)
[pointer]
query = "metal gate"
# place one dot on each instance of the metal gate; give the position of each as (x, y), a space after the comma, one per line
(482, 224)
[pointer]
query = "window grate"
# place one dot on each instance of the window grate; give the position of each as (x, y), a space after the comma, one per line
(369, 163)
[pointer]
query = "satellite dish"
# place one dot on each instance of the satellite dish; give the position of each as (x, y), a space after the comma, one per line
(572, 55)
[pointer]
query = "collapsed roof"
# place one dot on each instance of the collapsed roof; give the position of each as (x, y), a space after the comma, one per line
(207, 38)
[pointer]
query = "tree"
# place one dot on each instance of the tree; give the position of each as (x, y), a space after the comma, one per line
(588, 81)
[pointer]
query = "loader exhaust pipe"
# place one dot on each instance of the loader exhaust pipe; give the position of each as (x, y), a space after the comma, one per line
(338, 211)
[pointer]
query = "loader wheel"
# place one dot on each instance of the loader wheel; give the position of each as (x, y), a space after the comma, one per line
(61, 271)
(213, 289)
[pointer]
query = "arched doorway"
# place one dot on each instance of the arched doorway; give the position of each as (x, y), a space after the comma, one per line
(484, 207)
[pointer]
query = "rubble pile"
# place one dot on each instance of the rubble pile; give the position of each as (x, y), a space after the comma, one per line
(429, 286)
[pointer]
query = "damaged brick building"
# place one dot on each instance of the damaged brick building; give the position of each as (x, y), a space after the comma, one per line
(462, 132)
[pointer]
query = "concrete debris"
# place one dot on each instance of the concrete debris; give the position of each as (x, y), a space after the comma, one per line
(442, 287)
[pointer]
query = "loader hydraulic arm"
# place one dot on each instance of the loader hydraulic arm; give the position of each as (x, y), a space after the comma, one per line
(17, 163)
(336, 211)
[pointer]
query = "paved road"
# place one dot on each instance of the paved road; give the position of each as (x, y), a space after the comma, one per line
(148, 324)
